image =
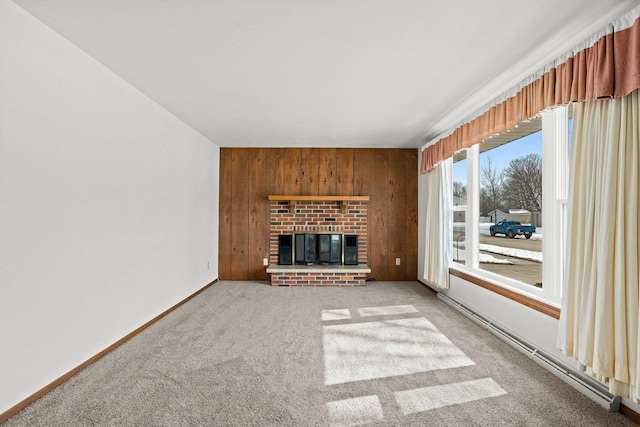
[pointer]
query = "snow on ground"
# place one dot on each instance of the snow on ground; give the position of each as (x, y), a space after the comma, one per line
(490, 259)
(515, 253)
(461, 255)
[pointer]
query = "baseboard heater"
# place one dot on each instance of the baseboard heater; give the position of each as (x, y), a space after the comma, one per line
(584, 384)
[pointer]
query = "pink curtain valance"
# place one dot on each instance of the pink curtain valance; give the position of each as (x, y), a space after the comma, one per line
(608, 69)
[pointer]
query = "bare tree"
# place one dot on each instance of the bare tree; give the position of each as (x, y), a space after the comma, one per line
(523, 183)
(460, 191)
(491, 188)
(486, 204)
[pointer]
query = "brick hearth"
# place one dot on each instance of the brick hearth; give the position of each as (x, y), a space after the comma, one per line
(319, 275)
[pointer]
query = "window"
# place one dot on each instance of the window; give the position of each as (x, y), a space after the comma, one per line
(508, 181)
(510, 217)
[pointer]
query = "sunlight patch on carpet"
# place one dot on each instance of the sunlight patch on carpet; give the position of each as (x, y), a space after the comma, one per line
(388, 310)
(355, 411)
(427, 398)
(337, 314)
(365, 351)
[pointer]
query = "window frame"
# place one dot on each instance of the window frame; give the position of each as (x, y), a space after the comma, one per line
(458, 208)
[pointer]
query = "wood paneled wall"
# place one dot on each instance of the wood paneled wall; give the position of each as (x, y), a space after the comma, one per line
(249, 175)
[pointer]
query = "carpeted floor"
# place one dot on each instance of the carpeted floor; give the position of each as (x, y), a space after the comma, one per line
(247, 354)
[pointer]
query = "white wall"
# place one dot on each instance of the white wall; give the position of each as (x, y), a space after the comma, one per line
(108, 207)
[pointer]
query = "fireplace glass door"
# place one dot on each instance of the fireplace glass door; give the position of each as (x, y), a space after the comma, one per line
(318, 248)
(330, 248)
(336, 249)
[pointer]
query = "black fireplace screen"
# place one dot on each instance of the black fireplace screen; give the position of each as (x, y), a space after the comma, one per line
(318, 248)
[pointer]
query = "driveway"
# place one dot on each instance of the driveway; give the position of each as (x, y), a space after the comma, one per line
(516, 243)
(528, 272)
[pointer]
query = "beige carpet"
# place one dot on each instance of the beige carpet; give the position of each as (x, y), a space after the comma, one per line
(247, 354)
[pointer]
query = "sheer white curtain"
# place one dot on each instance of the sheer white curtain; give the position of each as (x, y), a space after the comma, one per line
(438, 234)
(599, 318)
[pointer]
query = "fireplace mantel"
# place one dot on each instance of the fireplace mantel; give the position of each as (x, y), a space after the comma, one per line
(292, 199)
(280, 197)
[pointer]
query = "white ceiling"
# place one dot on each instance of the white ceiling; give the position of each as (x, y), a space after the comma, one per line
(326, 73)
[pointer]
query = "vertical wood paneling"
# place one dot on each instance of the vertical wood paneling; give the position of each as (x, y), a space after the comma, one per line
(258, 207)
(292, 183)
(396, 215)
(411, 207)
(344, 166)
(378, 215)
(275, 172)
(275, 182)
(362, 163)
(225, 221)
(240, 211)
(247, 176)
(327, 172)
(309, 171)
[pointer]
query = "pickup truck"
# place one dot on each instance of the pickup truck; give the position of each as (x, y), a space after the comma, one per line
(512, 229)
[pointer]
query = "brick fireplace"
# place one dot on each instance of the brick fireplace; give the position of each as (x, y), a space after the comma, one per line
(341, 215)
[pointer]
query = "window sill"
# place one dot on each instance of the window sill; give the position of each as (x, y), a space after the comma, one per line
(540, 306)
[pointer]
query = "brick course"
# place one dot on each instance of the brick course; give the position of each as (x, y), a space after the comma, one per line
(317, 279)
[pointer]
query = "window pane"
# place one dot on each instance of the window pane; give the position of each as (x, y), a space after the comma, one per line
(459, 180)
(458, 236)
(510, 238)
